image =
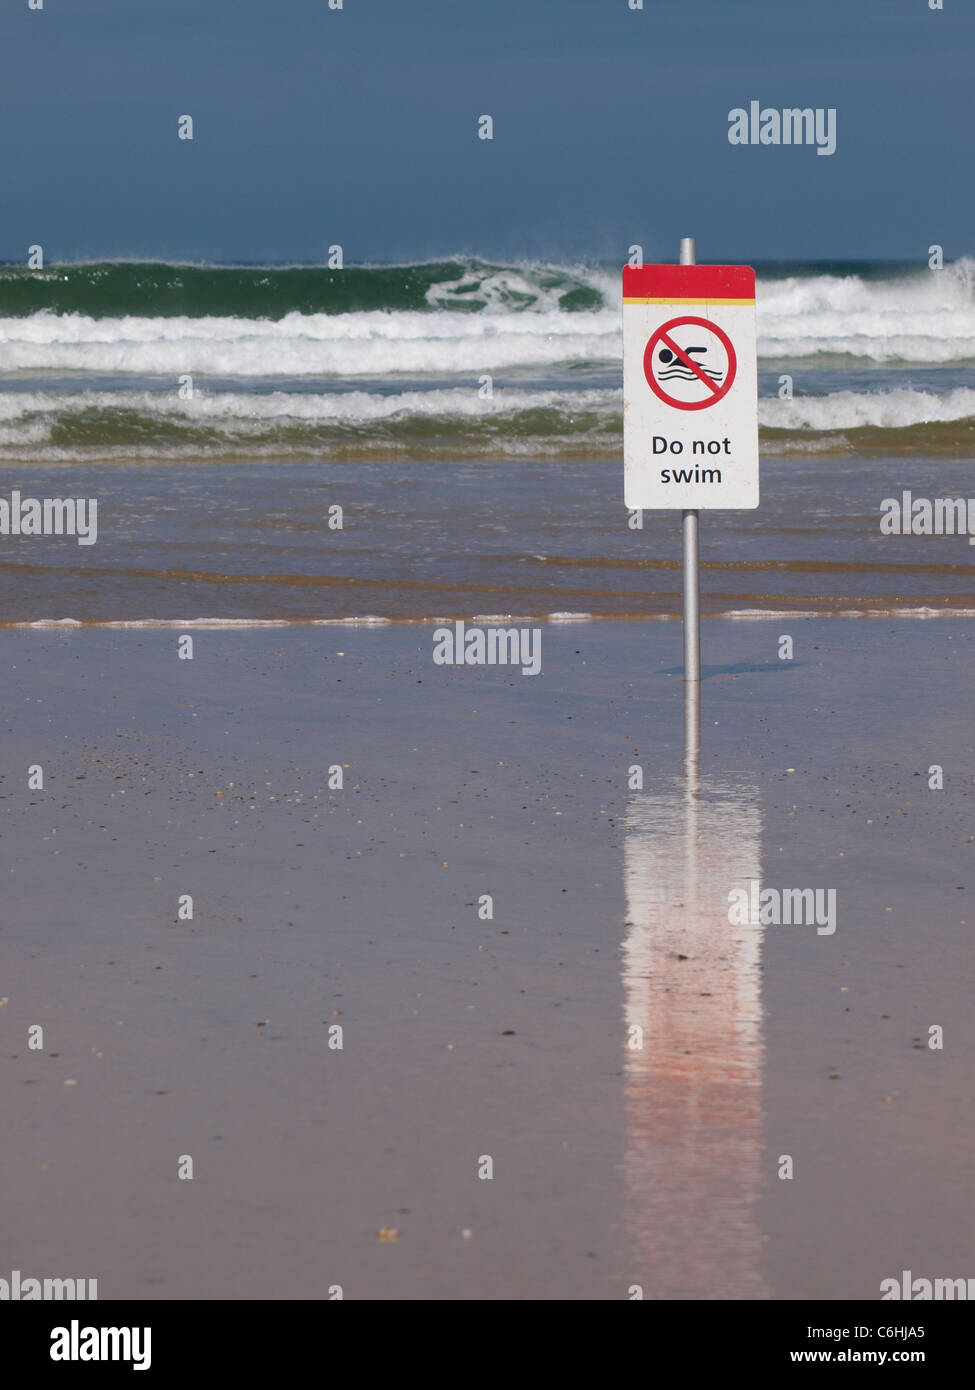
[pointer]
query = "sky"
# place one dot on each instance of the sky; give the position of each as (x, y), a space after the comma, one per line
(359, 127)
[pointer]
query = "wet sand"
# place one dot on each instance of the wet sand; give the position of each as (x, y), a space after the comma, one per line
(463, 1037)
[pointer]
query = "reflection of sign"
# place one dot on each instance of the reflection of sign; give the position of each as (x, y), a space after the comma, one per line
(690, 386)
(690, 363)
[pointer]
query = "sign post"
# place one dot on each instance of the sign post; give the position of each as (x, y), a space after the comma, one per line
(691, 567)
(690, 412)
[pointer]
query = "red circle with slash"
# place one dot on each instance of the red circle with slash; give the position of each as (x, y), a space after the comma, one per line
(714, 393)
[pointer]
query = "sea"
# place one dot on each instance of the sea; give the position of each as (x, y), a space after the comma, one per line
(387, 443)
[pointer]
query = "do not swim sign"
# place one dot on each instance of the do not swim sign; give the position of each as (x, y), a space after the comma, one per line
(690, 387)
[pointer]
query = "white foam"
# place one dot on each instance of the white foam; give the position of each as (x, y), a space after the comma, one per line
(365, 620)
(925, 317)
(847, 410)
(194, 622)
(764, 614)
(52, 622)
(27, 417)
(371, 620)
(356, 344)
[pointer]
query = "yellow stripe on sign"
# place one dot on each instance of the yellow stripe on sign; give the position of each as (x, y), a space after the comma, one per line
(689, 301)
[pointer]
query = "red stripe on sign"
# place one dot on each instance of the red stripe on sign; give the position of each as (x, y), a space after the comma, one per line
(688, 282)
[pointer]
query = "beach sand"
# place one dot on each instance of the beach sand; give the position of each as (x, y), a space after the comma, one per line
(613, 1166)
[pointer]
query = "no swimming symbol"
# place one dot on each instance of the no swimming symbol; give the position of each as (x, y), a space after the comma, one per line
(689, 363)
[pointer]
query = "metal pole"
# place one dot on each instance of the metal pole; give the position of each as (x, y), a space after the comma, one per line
(689, 519)
(692, 606)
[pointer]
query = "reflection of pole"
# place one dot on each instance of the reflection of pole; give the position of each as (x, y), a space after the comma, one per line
(692, 605)
(692, 682)
(693, 1091)
(692, 732)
